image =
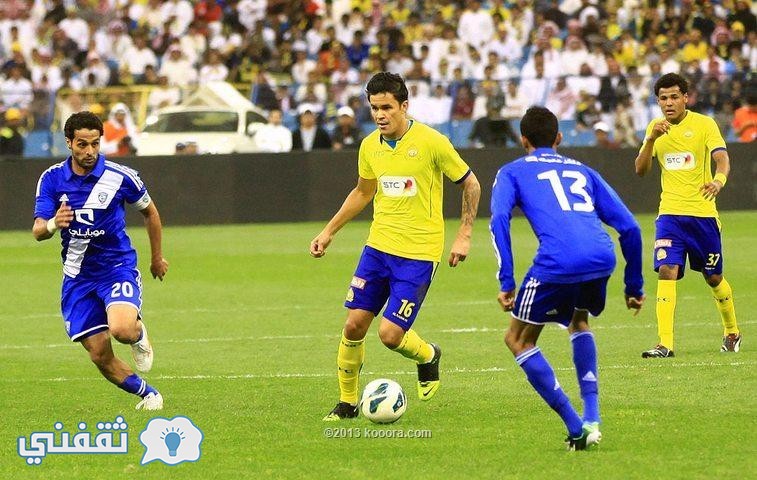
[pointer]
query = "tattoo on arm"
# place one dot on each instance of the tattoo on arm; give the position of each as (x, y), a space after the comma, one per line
(471, 196)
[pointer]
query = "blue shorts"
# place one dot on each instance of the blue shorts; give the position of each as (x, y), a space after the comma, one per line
(84, 303)
(400, 283)
(679, 236)
(539, 303)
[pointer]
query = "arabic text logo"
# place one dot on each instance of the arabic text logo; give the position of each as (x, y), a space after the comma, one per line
(42, 444)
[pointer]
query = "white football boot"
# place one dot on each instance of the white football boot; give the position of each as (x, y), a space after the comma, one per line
(141, 352)
(151, 401)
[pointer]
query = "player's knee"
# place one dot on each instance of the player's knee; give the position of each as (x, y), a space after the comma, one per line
(668, 272)
(124, 332)
(713, 280)
(123, 323)
(391, 337)
(355, 328)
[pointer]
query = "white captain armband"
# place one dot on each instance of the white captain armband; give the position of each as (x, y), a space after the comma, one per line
(143, 202)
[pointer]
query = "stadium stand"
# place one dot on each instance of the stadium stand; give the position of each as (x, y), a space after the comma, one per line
(61, 57)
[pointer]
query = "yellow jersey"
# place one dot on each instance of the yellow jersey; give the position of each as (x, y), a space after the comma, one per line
(685, 157)
(407, 209)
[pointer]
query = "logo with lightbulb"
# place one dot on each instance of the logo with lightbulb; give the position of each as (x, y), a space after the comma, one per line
(172, 441)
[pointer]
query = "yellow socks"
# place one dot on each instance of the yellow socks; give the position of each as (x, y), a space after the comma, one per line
(414, 347)
(349, 361)
(724, 301)
(665, 308)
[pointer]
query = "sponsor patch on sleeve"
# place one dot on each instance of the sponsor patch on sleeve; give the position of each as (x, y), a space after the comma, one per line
(357, 282)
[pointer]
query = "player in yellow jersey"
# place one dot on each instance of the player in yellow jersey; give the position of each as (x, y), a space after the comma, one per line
(684, 144)
(400, 168)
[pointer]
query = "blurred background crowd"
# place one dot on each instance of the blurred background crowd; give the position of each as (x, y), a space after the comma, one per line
(472, 67)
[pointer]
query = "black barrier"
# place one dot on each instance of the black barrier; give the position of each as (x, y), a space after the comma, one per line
(295, 187)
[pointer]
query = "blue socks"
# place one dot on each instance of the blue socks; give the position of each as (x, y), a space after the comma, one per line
(542, 378)
(585, 360)
(137, 386)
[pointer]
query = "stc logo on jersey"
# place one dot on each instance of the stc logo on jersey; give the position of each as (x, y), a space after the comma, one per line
(85, 216)
(679, 161)
(398, 186)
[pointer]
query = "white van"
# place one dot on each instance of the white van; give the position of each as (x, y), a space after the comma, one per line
(216, 117)
(214, 130)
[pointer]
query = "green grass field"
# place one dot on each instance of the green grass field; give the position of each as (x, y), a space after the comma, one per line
(246, 327)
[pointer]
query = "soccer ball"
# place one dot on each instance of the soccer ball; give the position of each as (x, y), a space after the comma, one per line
(383, 401)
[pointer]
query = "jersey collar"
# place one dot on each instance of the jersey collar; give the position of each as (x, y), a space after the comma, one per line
(686, 115)
(543, 150)
(96, 172)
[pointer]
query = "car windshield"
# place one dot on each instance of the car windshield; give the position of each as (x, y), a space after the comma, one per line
(194, 122)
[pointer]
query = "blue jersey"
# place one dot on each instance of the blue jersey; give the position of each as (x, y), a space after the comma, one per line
(565, 202)
(95, 243)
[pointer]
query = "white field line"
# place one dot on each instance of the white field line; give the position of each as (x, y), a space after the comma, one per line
(456, 370)
(310, 337)
(180, 312)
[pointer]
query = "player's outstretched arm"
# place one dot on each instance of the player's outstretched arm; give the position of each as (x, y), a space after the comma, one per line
(356, 201)
(158, 264)
(471, 196)
(46, 228)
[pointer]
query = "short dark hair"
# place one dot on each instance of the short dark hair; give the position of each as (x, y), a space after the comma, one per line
(82, 120)
(670, 80)
(539, 126)
(386, 82)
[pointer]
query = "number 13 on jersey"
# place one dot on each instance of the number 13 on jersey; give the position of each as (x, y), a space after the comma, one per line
(578, 187)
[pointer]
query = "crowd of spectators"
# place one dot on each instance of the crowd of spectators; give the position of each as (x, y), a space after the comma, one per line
(306, 60)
